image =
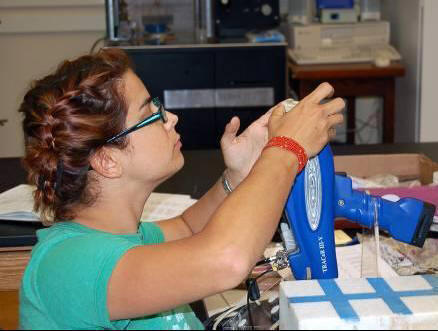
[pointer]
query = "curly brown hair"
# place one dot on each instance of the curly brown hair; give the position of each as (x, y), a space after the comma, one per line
(68, 116)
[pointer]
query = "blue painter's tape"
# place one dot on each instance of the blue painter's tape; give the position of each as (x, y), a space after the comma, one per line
(391, 298)
(433, 281)
(341, 301)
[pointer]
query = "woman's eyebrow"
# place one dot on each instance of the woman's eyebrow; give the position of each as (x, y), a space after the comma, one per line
(146, 102)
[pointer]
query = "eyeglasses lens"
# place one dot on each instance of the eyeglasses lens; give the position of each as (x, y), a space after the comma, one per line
(157, 103)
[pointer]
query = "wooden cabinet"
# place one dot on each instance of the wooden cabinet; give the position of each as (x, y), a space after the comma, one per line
(13, 262)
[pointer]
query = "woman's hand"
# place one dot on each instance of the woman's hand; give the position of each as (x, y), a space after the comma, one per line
(241, 152)
(310, 123)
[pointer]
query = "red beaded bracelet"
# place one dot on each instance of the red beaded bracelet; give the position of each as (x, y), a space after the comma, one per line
(290, 145)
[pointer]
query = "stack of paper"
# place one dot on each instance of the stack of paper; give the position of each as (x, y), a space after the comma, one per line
(16, 204)
(350, 263)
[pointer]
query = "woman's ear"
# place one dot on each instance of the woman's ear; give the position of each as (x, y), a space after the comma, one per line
(107, 163)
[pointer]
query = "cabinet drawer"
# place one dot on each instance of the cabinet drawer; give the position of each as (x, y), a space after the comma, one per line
(173, 70)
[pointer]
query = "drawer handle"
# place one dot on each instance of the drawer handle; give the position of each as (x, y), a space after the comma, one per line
(3, 122)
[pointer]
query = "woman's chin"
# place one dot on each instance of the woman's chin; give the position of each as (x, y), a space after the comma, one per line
(180, 162)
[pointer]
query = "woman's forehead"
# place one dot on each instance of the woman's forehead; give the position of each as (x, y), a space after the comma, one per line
(135, 91)
(134, 85)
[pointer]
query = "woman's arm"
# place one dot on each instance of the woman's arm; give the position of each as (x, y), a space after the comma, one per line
(194, 218)
(151, 279)
(155, 278)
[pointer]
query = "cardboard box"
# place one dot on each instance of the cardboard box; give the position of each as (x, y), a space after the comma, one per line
(404, 166)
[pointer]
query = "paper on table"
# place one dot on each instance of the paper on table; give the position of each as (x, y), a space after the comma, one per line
(341, 238)
(350, 262)
(162, 206)
(17, 204)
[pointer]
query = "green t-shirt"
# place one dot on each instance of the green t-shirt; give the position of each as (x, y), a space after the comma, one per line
(65, 283)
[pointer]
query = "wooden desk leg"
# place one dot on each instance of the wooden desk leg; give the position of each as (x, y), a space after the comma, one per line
(389, 111)
(351, 119)
(9, 310)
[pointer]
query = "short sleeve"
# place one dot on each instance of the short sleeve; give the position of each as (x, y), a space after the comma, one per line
(152, 233)
(73, 277)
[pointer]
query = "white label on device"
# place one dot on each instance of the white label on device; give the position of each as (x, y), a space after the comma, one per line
(313, 192)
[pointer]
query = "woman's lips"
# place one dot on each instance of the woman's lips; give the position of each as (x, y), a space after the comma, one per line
(178, 142)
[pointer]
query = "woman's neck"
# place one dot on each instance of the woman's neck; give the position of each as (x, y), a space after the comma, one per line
(116, 210)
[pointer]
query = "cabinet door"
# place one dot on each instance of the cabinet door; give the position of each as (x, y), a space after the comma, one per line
(258, 74)
(246, 116)
(251, 67)
(181, 75)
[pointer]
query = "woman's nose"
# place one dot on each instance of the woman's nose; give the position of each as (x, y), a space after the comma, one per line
(172, 119)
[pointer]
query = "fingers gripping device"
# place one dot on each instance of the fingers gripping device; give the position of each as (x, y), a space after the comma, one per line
(319, 196)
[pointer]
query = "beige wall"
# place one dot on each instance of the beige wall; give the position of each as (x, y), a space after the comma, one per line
(36, 35)
(429, 70)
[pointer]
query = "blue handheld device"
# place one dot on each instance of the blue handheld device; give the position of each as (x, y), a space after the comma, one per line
(319, 196)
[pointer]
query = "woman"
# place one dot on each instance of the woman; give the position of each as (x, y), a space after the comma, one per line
(97, 144)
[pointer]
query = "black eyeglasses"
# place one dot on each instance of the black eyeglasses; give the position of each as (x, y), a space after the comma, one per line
(159, 115)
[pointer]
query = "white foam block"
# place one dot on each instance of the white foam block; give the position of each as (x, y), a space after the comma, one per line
(364, 304)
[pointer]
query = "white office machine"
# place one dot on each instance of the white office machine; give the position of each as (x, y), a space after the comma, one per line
(338, 15)
(380, 55)
(341, 43)
(337, 11)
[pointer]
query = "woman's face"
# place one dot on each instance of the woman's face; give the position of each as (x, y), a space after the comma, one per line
(154, 151)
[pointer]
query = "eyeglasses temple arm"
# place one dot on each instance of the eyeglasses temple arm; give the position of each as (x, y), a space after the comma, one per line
(148, 120)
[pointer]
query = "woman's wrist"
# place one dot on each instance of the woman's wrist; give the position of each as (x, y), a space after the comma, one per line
(291, 146)
(278, 156)
(230, 179)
